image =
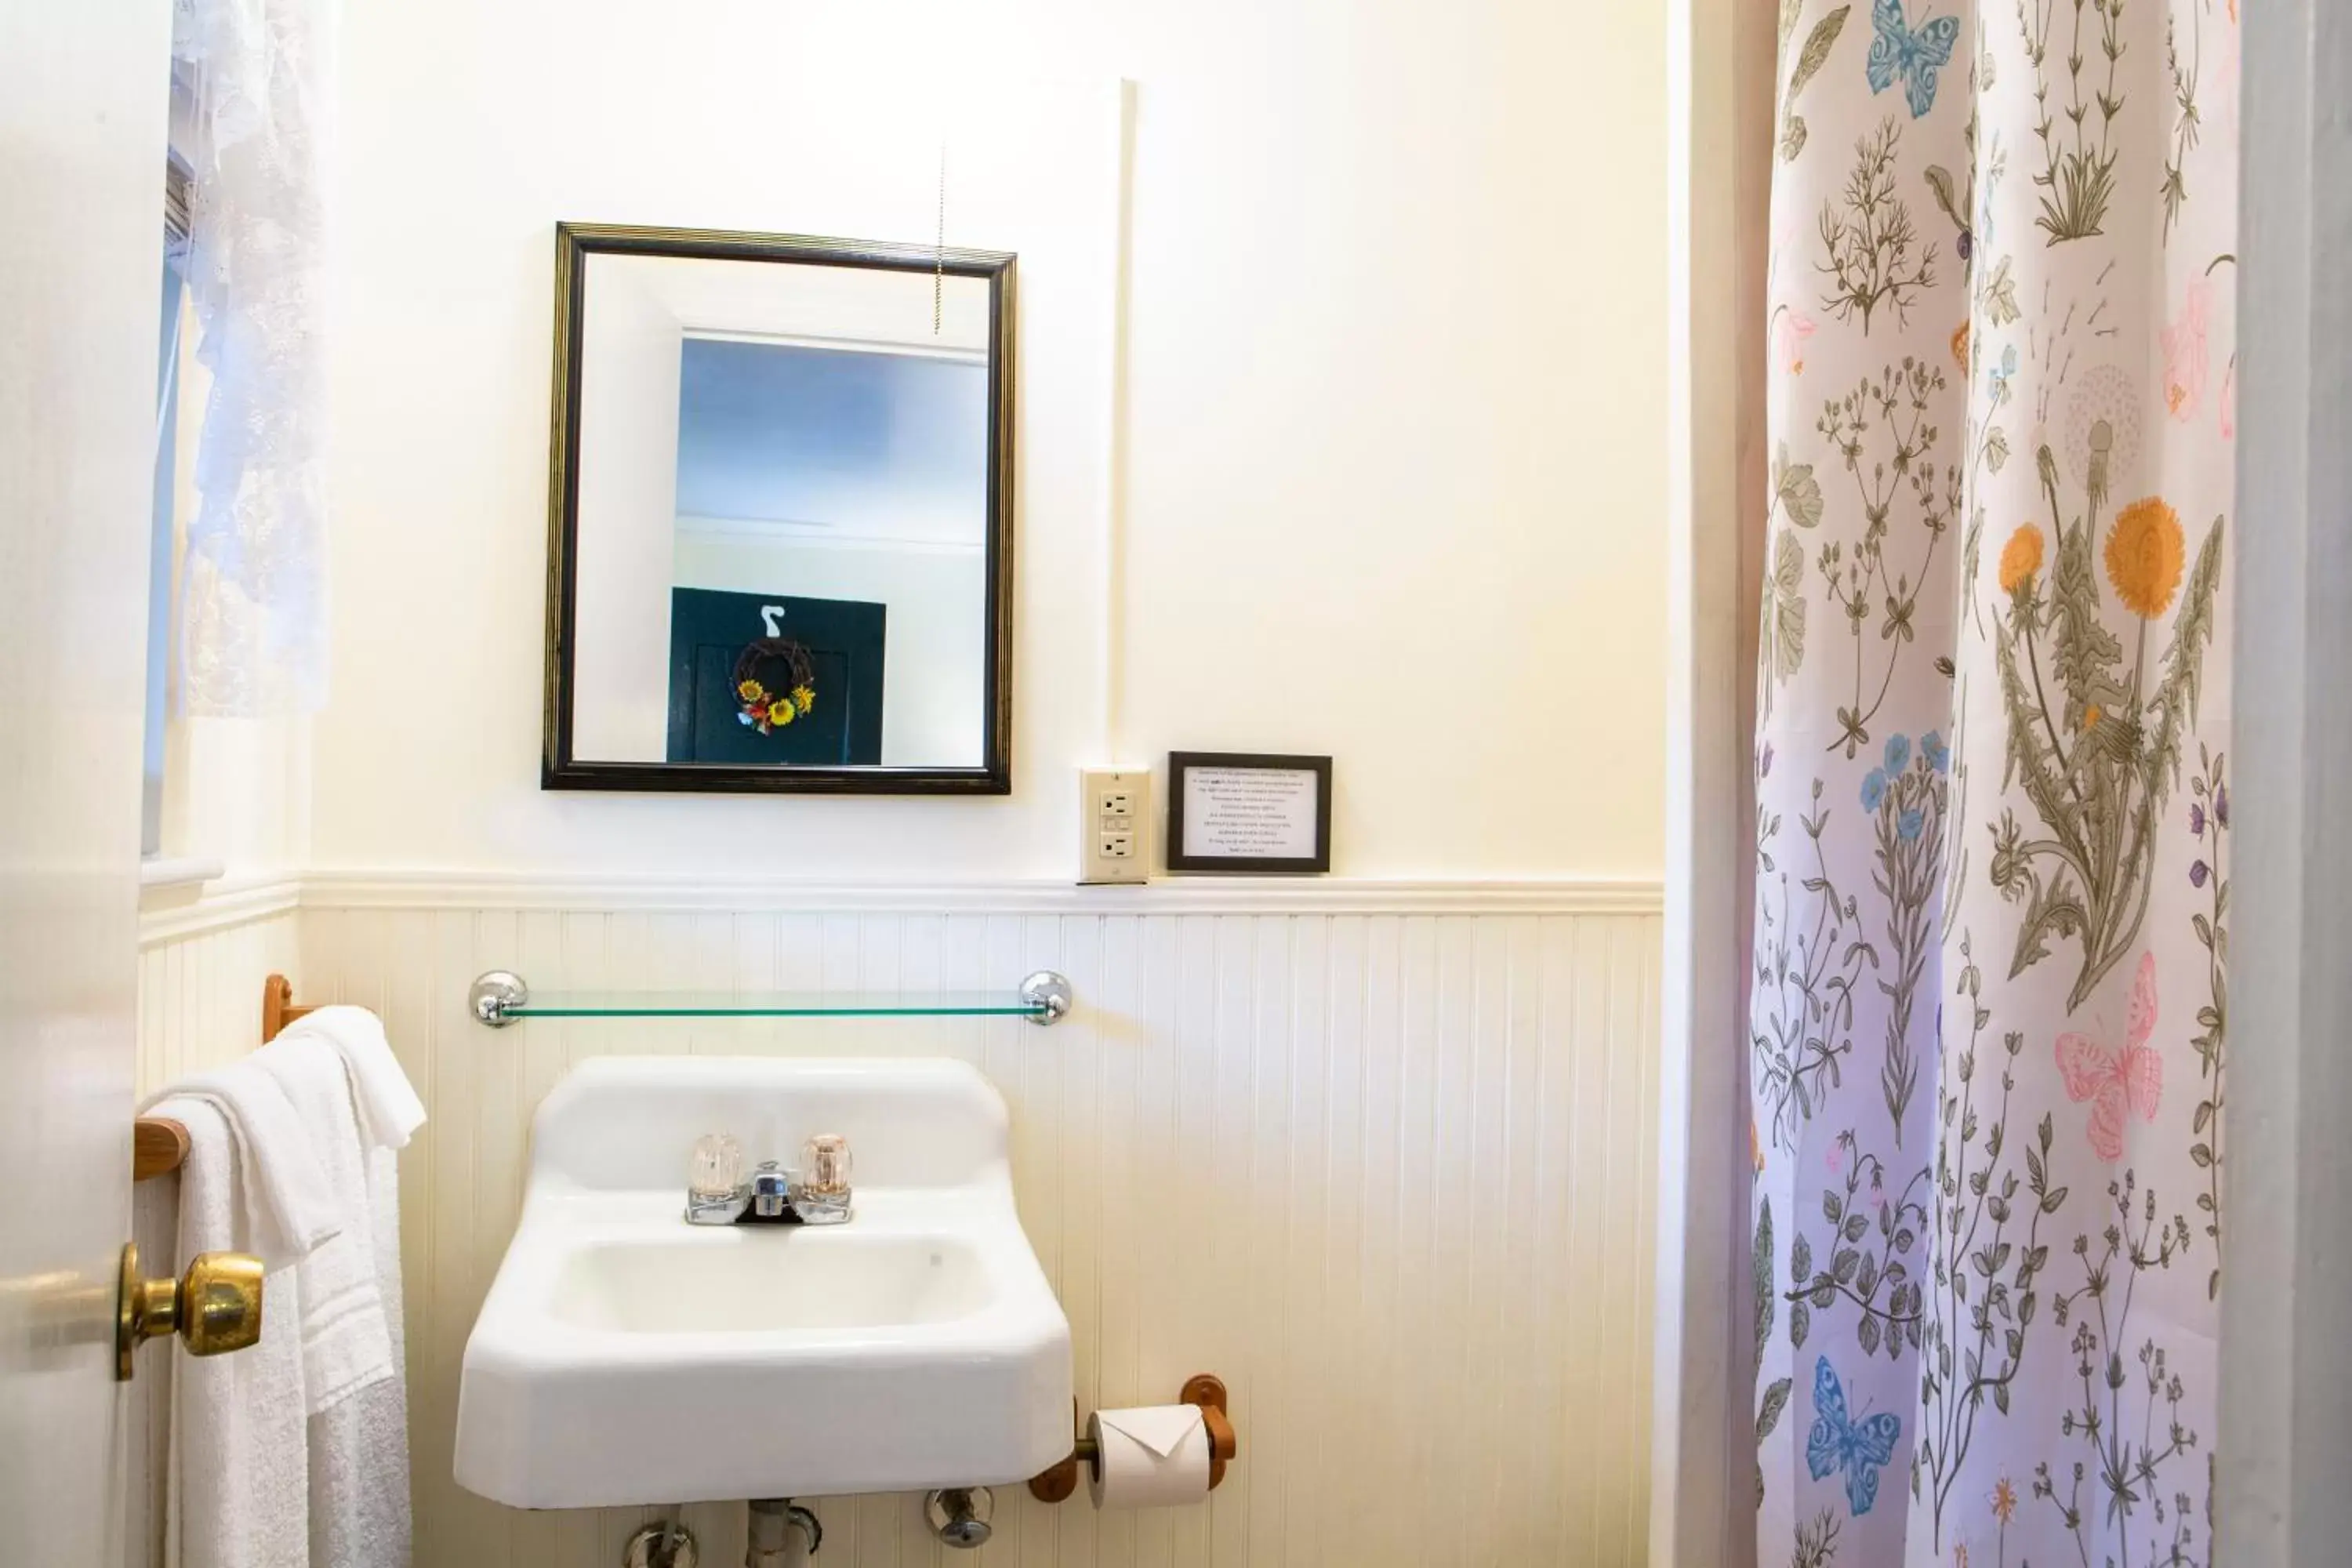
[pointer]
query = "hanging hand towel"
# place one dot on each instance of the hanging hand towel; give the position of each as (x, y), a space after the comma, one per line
(388, 1107)
(359, 1446)
(270, 1172)
(237, 1459)
(346, 1343)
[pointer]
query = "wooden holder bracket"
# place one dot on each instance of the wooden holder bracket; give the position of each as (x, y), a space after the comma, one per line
(277, 1009)
(1206, 1390)
(159, 1145)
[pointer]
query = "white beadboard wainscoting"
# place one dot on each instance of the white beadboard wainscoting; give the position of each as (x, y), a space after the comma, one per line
(1379, 1155)
(200, 970)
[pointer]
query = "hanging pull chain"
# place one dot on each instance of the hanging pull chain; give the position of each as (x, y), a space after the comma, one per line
(939, 244)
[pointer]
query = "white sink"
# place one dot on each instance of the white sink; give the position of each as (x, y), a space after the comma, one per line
(624, 1356)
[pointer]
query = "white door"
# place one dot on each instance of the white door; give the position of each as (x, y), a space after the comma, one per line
(84, 94)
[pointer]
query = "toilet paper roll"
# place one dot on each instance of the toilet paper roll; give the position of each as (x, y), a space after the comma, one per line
(1154, 1457)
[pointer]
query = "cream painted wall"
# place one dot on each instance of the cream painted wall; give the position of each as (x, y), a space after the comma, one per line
(1394, 454)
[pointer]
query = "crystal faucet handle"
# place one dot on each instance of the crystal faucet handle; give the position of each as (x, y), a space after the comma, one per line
(716, 1169)
(826, 1157)
(823, 1198)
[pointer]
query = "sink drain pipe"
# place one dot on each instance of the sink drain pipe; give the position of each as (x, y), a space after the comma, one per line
(773, 1520)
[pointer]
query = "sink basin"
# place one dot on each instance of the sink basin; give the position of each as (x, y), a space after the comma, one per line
(624, 1356)
(754, 1280)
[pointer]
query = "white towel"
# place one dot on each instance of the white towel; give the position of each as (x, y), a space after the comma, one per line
(359, 1446)
(388, 1107)
(239, 1453)
(346, 1345)
(294, 1453)
(284, 1209)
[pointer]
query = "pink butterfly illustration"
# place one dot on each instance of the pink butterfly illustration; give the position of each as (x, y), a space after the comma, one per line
(2117, 1080)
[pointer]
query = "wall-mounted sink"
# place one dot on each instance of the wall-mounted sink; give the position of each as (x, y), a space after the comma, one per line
(624, 1356)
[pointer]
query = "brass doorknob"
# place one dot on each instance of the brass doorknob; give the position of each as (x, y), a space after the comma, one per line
(215, 1307)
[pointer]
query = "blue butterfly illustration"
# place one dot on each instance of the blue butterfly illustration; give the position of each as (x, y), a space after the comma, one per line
(1861, 1448)
(1899, 49)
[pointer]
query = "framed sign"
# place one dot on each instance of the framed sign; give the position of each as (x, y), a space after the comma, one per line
(1239, 811)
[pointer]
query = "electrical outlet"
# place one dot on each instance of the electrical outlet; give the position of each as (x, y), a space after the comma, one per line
(1114, 817)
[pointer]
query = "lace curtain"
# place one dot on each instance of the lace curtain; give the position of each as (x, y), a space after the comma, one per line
(1989, 992)
(252, 612)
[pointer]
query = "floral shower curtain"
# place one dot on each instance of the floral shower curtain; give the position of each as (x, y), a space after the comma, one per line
(1989, 997)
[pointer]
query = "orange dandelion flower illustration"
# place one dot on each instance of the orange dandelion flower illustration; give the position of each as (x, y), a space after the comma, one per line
(2004, 1499)
(2020, 558)
(1961, 347)
(2144, 557)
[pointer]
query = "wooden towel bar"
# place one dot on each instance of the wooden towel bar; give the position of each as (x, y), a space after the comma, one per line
(159, 1145)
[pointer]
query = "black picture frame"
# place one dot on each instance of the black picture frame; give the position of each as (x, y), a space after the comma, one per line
(1181, 764)
(559, 768)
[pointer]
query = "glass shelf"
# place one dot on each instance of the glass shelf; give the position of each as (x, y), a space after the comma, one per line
(500, 997)
(773, 1005)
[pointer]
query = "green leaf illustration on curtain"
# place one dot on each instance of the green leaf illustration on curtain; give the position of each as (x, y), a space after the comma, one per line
(1867, 238)
(1950, 197)
(1801, 1019)
(1817, 1542)
(1796, 496)
(2208, 824)
(2187, 123)
(1999, 294)
(2132, 1423)
(1872, 1236)
(1809, 60)
(1774, 1400)
(2097, 756)
(1886, 432)
(1907, 796)
(2077, 135)
(1801, 1288)
(1795, 490)
(1982, 1271)
(1784, 609)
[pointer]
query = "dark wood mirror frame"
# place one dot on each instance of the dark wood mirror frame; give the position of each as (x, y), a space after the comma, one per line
(559, 769)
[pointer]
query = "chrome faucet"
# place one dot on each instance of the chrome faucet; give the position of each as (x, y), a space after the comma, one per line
(772, 1194)
(718, 1193)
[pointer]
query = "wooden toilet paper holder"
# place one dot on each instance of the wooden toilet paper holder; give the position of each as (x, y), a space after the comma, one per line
(1204, 1389)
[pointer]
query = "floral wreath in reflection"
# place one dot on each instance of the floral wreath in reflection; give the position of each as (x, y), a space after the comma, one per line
(767, 710)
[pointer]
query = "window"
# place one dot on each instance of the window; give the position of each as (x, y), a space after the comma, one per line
(179, 183)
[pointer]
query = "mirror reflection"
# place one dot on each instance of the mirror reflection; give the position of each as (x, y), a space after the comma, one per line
(784, 519)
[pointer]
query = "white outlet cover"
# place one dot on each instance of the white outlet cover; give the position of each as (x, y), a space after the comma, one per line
(1114, 843)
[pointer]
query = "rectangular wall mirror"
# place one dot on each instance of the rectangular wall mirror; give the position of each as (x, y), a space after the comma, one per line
(780, 515)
